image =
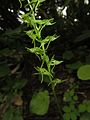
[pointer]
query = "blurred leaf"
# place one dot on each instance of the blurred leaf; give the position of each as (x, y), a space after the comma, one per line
(87, 103)
(66, 109)
(83, 72)
(40, 102)
(19, 84)
(74, 66)
(75, 97)
(88, 108)
(85, 116)
(67, 55)
(73, 116)
(1, 98)
(8, 115)
(66, 116)
(14, 32)
(66, 3)
(82, 108)
(4, 70)
(67, 96)
(5, 51)
(83, 36)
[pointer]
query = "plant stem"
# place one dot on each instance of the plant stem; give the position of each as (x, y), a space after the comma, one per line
(58, 105)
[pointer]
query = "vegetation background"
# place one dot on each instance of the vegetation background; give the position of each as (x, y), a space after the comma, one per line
(17, 66)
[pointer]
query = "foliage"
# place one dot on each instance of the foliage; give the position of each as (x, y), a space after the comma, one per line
(73, 110)
(71, 22)
(83, 72)
(40, 103)
(40, 47)
(70, 110)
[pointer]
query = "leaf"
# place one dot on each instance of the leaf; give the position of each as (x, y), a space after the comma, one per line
(66, 109)
(44, 22)
(67, 96)
(48, 39)
(45, 58)
(19, 84)
(83, 72)
(36, 50)
(55, 82)
(73, 116)
(40, 1)
(88, 108)
(66, 116)
(8, 114)
(31, 34)
(75, 97)
(82, 108)
(87, 103)
(74, 66)
(40, 103)
(55, 62)
(43, 71)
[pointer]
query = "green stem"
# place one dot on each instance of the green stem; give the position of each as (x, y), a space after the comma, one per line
(58, 105)
(57, 102)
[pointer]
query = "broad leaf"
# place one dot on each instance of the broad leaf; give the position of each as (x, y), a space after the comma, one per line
(83, 72)
(82, 108)
(66, 116)
(40, 103)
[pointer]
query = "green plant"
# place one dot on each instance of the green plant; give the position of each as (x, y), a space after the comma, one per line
(74, 110)
(70, 109)
(40, 47)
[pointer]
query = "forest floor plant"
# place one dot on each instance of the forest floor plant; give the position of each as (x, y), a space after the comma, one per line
(40, 47)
